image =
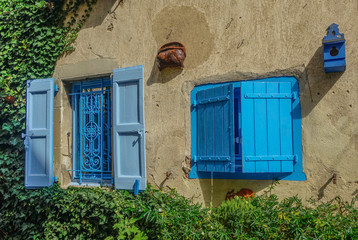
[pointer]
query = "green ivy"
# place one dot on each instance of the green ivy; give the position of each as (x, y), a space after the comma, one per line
(33, 35)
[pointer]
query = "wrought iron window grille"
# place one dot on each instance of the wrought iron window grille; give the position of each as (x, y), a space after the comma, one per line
(92, 125)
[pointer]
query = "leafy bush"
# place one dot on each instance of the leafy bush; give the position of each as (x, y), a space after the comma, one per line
(95, 213)
(33, 34)
(268, 218)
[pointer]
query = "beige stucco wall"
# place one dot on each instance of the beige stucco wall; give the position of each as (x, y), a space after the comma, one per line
(225, 41)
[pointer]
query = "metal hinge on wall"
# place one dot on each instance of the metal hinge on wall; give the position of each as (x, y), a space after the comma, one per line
(26, 139)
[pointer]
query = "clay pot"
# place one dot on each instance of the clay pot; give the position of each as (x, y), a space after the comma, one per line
(10, 99)
(246, 193)
(171, 55)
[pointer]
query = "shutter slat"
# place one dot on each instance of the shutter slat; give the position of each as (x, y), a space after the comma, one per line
(286, 126)
(210, 125)
(260, 120)
(248, 126)
(39, 133)
(201, 131)
(273, 127)
(128, 128)
(219, 143)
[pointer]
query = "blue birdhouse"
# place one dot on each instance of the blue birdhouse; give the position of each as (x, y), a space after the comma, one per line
(334, 50)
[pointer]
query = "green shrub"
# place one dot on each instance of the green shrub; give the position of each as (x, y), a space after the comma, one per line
(95, 213)
(268, 218)
(167, 215)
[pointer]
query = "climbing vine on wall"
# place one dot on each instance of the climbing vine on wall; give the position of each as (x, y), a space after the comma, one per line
(33, 35)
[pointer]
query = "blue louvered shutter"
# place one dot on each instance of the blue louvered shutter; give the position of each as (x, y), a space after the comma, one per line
(39, 133)
(215, 129)
(267, 133)
(128, 128)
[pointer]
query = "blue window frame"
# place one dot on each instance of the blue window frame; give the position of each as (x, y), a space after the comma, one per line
(247, 130)
(92, 125)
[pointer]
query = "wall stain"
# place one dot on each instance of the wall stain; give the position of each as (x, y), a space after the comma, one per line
(186, 25)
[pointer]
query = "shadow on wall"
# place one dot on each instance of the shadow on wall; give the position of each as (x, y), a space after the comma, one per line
(188, 26)
(163, 76)
(215, 190)
(101, 11)
(316, 82)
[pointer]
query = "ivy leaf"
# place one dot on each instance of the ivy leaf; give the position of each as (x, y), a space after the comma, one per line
(40, 4)
(7, 127)
(13, 141)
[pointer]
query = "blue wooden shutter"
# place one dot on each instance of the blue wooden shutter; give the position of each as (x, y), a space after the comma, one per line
(39, 133)
(267, 133)
(128, 128)
(215, 129)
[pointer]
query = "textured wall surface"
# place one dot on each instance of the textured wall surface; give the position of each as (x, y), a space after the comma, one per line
(225, 41)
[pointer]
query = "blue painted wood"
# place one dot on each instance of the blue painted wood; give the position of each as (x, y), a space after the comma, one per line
(136, 187)
(128, 128)
(201, 126)
(334, 52)
(273, 127)
(261, 95)
(218, 127)
(267, 129)
(39, 133)
(271, 158)
(209, 126)
(194, 134)
(215, 130)
(286, 126)
(272, 148)
(294, 176)
(247, 126)
(260, 126)
(296, 128)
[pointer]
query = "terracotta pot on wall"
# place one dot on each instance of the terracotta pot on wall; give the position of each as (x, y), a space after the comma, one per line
(171, 55)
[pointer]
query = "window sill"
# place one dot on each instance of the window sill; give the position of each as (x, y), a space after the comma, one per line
(90, 184)
(294, 176)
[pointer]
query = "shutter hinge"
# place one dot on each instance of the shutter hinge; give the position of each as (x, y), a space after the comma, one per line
(194, 159)
(55, 179)
(136, 187)
(26, 140)
(238, 140)
(140, 133)
(56, 89)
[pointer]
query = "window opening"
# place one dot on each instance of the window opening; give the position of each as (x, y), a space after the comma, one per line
(92, 158)
(237, 131)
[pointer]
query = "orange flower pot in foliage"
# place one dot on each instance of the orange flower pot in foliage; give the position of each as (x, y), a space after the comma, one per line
(244, 192)
(10, 99)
